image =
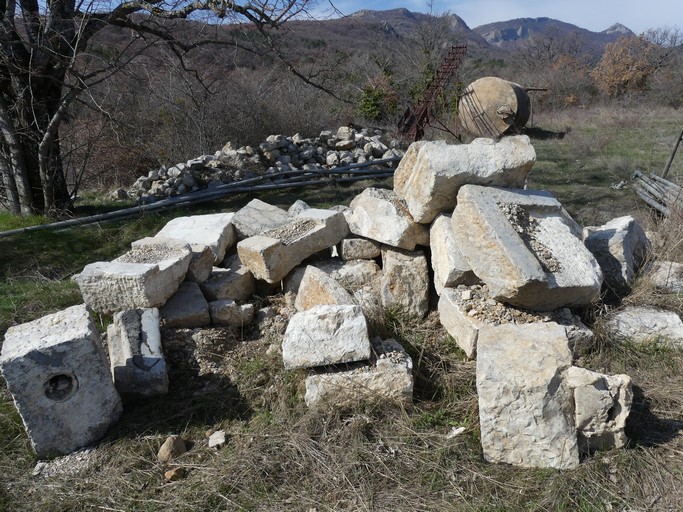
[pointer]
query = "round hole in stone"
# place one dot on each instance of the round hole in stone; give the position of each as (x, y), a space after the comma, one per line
(60, 387)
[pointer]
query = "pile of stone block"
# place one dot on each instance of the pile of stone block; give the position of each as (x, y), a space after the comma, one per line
(507, 265)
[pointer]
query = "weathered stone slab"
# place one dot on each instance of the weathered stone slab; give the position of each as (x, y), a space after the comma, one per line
(404, 284)
(215, 230)
(602, 404)
(449, 265)
(274, 254)
(187, 308)
(465, 311)
(297, 207)
(136, 356)
(620, 247)
(201, 264)
(318, 288)
(667, 276)
(431, 173)
(525, 405)
(145, 277)
(525, 247)
(228, 312)
(234, 282)
(352, 274)
(646, 325)
(58, 374)
(382, 216)
(388, 379)
(325, 335)
(257, 217)
(358, 249)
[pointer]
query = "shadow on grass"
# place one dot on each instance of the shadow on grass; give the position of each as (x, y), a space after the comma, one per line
(646, 429)
(541, 134)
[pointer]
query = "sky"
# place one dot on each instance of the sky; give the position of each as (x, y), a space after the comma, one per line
(595, 15)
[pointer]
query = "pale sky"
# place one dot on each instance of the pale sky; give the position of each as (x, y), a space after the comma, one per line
(595, 15)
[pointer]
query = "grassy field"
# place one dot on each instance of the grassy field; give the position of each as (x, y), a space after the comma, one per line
(282, 456)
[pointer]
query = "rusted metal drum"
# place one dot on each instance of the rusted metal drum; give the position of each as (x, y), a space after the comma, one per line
(490, 107)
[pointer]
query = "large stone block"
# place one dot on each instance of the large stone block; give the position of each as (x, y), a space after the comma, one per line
(145, 277)
(638, 324)
(201, 264)
(234, 282)
(525, 404)
(57, 371)
(135, 353)
(602, 404)
(667, 276)
(404, 284)
(187, 308)
(525, 247)
(430, 175)
(464, 312)
(257, 217)
(620, 246)
(326, 335)
(318, 288)
(388, 378)
(274, 254)
(381, 215)
(215, 230)
(449, 265)
(228, 312)
(358, 249)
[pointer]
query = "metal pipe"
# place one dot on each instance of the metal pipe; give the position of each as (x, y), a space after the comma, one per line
(673, 154)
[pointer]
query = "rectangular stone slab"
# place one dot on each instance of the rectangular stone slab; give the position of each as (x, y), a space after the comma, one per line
(215, 230)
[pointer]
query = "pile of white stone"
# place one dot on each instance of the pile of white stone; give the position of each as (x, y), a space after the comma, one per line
(277, 153)
(507, 264)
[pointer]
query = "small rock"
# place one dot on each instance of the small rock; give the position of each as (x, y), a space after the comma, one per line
(217, 439)
(175, 474)
(172, 447)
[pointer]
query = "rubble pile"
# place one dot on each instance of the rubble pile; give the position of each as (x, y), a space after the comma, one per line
(508, 265)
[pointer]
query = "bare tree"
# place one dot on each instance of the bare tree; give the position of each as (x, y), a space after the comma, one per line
(46, 64)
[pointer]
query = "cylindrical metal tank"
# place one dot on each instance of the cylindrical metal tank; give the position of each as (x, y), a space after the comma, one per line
(490, 106)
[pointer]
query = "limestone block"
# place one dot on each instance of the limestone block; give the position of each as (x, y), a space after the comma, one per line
(601, 405)
(136, 356)
(187, 308)
(449, 265)
(57, 372)
(325, 335)
(404, 284)
(257, 217)
(646, 325)
(358, 249)
(388, 378)
(235, 282)
(464, 312)
(319, 288)
(429, 176)
(667, 276)
(620, 247)
(297, 207)
(201, 263)
(525, 247)
(145, 277)
(274, 254)
(380, 215)
(525, 404)
(215, 230)
(228, 312)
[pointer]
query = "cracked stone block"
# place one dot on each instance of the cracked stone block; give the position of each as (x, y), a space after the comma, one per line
(431, 173)
(317, 288)
(525, 247)
(228, 312)
(525, 403)
(388, 378)
(358, 249)
(325, 335)
(602, 404)
(201, 264)
(187, 308)
(620, 246)
(274, 254)
(382, 216)
(637, 324)
(257, 217)
(449, 265)
(144, 277)
(215, 230)
(136, 354)
(464, 312)
(404, 283)
(57, 372)
(234, 282)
